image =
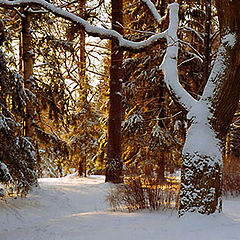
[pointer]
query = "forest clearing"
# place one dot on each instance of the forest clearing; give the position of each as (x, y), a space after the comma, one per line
(119, 119)
(75, 209)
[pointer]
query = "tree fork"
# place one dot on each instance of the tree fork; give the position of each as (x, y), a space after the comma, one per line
(201, 175)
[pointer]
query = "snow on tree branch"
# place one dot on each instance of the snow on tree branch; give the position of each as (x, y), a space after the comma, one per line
(169, 65)
(197, 53)
(153, 10)
(90, 29)
(198, 34)
(220, 66)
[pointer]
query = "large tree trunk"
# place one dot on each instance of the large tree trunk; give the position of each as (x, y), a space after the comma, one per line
(114, 152)
(82, 163)
(27, 71)
(201, 169)
(201, 175)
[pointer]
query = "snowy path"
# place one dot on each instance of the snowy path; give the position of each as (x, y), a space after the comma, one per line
(75, 209)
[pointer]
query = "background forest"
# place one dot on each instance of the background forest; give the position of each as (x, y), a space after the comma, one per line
(55, 97)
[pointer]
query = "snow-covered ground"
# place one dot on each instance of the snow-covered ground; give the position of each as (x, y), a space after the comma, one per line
(75, 209)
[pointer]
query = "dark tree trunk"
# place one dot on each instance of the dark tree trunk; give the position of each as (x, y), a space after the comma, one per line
(114, 152)
(227, 97)
(82, 63)
(27, 71)
(80, 168)
(161, 167)
(207, 45)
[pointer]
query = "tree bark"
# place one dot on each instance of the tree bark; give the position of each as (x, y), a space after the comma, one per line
(114, 151)
(161, 168)
(201, 171)
(27, 71)
(82, 171)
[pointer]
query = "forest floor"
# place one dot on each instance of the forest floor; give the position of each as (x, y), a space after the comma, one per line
(75, 209)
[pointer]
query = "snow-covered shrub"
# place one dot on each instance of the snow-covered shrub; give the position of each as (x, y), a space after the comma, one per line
(4, 173)
(17, 159)
(17, 155)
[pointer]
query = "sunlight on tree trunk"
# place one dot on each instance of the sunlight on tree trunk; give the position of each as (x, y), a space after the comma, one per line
(27, 64)
(82, 163)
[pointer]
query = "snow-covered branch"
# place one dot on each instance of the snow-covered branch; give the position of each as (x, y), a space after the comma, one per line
(186, 61)
(219, 68)
(153, 10)
(198, 34)
(169, 65)
(90, 29)
(198, 54)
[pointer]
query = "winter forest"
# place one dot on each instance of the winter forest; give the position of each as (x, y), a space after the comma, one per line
(119, 113)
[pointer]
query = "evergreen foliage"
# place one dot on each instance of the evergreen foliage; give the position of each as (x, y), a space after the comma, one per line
(17, 156)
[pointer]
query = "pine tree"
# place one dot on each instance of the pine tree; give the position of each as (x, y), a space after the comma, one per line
(17, 155)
